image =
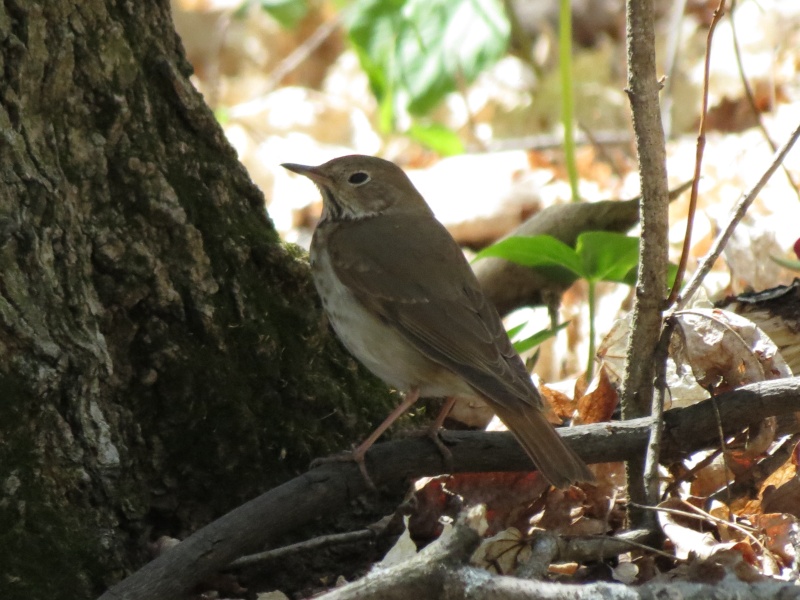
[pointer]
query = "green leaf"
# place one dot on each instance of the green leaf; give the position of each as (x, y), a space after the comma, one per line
(286, 12)
(630, 277)
(793, 265)
(515, 330)
(439, 138)
(222, 115)
(537, 338)
(416, 51)
(672, 273)
(373, 26)
(536, 251)
(607, 256)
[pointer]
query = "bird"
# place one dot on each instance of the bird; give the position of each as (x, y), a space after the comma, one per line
(402, 298)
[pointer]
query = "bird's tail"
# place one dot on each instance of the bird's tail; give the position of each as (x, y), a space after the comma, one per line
(556, 461)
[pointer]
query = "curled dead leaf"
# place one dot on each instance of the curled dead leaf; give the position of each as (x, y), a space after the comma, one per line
(503, 552)
(600, 400)
(724, 350)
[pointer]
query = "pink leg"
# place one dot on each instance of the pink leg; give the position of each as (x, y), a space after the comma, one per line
(360, 452)
(448, 405)
(411, 397)
(433, 433)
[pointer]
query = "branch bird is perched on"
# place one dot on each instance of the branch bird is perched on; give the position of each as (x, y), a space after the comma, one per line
(403, 299)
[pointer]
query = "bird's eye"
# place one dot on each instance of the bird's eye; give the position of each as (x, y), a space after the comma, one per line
(358, 178)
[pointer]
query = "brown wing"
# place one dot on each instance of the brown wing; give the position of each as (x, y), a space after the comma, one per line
(408, 270)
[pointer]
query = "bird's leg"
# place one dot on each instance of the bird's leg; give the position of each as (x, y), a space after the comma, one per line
(358, 455)
(433, 432)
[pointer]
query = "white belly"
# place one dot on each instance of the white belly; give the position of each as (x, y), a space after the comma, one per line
(381, 349)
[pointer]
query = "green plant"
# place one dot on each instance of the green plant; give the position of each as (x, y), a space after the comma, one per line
(597, 256)
(286, 12)
(567, 95)
(417, 51)
(792, 265)
(534, 340)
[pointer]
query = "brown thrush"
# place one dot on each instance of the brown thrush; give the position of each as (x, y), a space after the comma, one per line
(403, 299)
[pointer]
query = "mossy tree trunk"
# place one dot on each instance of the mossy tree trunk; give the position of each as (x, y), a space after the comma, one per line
(162, 356)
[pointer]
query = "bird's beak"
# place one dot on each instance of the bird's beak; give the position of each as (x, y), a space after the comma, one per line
(313, 173)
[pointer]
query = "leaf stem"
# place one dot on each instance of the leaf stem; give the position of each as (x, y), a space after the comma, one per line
(567, 97)
(590, 361)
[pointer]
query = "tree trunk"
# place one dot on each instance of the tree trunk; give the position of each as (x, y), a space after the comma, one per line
(162, 355)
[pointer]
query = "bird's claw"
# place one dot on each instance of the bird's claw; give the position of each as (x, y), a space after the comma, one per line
(353, 456)
(447, 456)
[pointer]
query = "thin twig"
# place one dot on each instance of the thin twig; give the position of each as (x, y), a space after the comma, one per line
(302, 52)
(762, 470)
(698, 163)
(751, 98)
(723, 446)
(738, 214)
(651, 476)
(749, 532)
(322, 541)
(701, 515)
(639, 545)
(673, 486)
(704, 516)
(289, 64)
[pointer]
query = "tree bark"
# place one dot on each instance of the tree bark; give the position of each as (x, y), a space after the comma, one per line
(162, 355)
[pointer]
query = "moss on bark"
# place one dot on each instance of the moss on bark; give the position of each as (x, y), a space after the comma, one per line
(162, 354)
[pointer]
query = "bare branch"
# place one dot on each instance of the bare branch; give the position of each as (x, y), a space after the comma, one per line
(334, 486)
(698, 160)
(738, 214)
(643, 89)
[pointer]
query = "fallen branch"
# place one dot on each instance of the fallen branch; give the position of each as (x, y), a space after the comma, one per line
(548, 548)
(474, 584)
(439, 572)
(422, 576)
(333, 486)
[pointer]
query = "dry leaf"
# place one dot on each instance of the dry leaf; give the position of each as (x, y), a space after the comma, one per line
(625, 572)
(562, 509)
(725, 350)
(780, 535)
(777, 312)
(503, 552)
(600, 400)
(562, 405)
(510, 498)
(685, 539)
(614, 347)
(784, 499)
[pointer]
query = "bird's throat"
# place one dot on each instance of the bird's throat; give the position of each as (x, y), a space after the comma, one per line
(332, 209)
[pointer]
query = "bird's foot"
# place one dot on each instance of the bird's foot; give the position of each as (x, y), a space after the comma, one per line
(435, 435)
(352, 456)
